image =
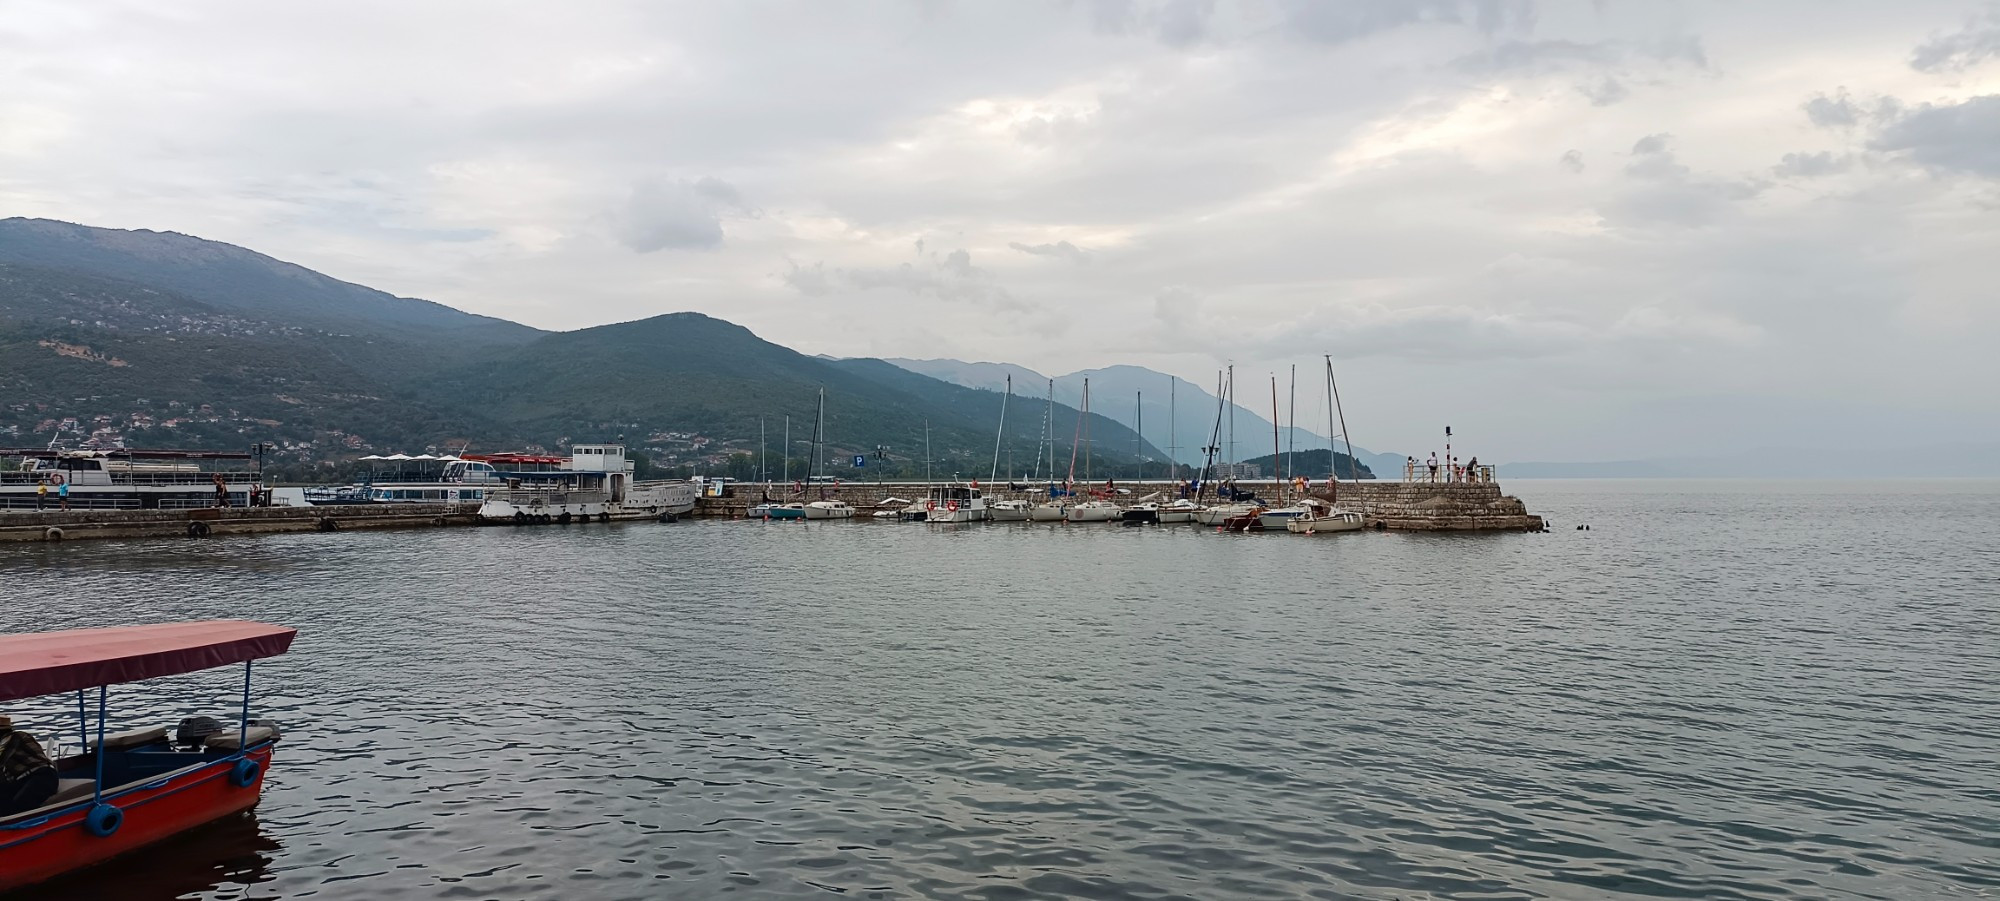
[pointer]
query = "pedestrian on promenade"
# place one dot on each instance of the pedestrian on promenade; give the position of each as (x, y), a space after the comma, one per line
(1434, 466)
(62, 493)
(41, 494)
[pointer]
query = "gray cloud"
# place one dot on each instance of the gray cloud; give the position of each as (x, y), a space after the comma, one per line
(1663, 191)
(1062, 249)
(1604, 92)
(1959, 137)
(1176, 23)
(1977, 41)
(948, 277)
(1571, 162)
(1352, 20)
(680, 214)
(1812, 165)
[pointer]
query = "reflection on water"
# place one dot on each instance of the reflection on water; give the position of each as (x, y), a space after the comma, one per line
(1721, 691)
(228, 859)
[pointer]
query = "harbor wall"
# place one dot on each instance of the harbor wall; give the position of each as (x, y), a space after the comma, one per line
(58, 525)
(1407, 506)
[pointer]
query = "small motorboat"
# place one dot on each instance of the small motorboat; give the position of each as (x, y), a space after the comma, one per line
(1141, 514)
(1326, 522)
(829, 510)
(785, 511)
(1182, 510)
(1275, 518)
(1048, 511)
(130, 789)
(1221, 513)
(1252, 521)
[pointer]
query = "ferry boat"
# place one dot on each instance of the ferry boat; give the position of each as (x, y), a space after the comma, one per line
(121, 479)
(593, 483)
(422, 479)
(955, 503)
(130, 789)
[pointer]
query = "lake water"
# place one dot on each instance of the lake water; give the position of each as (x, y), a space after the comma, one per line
(1721, 690)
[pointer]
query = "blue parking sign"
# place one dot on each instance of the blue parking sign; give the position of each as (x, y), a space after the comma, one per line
(860, 460)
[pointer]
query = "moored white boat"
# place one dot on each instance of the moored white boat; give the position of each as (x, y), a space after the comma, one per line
(1048, 511)
(955, 503)
(1326, 523)
(1217, 514)
(594, 483)
(828, 510)
(1007, 511)
(1178, 511)
(1093, 511)
(1275, 518)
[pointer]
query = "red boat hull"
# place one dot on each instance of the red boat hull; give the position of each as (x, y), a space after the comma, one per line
(46, 847)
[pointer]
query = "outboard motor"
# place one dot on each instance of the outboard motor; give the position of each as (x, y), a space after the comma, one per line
(194, 730)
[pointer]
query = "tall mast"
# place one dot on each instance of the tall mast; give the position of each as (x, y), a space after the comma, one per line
(1292, 420)
(788, 449)
(1334, 384)
(1173, 423)
(1275, 451)
(995, 473)
(819, 423)
(1231, 389)
(1214, 436)
(1076, 437)
(1086, 429)
(1139, 417)
(927, 453)
(763, 471)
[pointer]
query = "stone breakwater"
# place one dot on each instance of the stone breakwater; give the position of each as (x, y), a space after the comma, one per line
(1405, 506)
(58, 525)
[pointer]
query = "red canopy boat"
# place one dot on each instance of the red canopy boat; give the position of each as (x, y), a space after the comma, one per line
(130, 789)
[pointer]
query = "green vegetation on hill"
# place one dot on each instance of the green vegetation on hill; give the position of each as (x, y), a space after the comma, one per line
(1313, 464)
(162, 340)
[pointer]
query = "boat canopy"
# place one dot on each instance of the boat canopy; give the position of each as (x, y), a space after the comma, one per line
(46, 663)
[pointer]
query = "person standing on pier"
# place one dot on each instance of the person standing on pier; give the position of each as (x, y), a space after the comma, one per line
(1434, 466)
(62, 493)
(41, 493)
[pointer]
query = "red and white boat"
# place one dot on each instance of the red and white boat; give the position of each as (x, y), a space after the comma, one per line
(131, 789)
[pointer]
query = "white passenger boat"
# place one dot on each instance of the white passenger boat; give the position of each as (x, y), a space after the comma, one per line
(1007, 511)
(829, 510)
(593, 483)
(1326, 523)
(422, 479)
(955, 503)
(121, 479)
(1093, 511)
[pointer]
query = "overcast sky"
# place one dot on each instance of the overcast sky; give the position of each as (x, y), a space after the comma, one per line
(1570, 230)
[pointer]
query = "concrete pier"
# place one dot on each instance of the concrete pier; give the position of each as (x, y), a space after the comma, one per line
(58, 525)
(1405, 506)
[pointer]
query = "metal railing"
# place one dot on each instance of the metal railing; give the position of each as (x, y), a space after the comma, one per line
(1444, 473)
(95, 478)
(523, 497)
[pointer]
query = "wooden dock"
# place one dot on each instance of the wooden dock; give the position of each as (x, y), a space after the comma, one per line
(59, 525)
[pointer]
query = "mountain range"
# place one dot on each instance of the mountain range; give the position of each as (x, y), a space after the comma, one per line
(158, 339)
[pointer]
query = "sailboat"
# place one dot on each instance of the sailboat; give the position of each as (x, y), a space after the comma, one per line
(1007, 510)
(1327, 519)
(1096, 509)
(1276, 518)
(1052, 509)
(827, 509)
(1223, 510)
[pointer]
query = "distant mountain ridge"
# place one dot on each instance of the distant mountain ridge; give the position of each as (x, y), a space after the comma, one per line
(1187, 428)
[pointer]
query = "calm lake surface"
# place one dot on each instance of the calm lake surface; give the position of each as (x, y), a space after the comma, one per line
(1722, 690)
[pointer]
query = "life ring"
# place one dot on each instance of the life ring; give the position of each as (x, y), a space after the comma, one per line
(52, 534)
(197, 530)
(930, 505)
(103, 820)
(57, 479)
(244, 773)
(951, 507)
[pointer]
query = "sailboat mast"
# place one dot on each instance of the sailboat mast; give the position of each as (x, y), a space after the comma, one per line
(1353, 471)
(1276, 451)
(1292, 420)
(1231, 389)
(788, 450)
(1086, 430)
(819, 424)
(995, 473)
(1215, 435)
(1173, 424)
(927, 453)
(763, 470)
(1139, 420)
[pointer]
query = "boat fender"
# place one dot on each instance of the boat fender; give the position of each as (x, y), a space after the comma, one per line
(327, 524)
(52, 534)
(670, 517)
(244, 773)
(520, 517)
(604, 517)
(564, 518)
(197, 530)
(437, 520)
(103, 820)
